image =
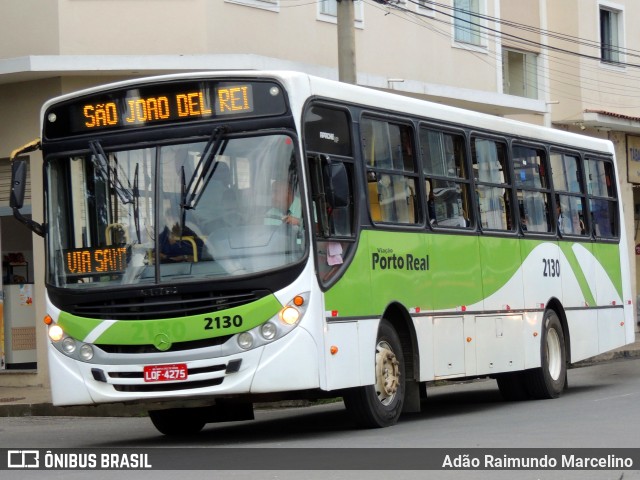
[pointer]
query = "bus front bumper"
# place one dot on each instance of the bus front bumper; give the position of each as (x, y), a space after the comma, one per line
(288, 364)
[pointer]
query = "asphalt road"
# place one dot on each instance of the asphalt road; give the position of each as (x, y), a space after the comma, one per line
(600, 410)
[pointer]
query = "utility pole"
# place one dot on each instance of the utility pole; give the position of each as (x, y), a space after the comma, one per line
(346, 42)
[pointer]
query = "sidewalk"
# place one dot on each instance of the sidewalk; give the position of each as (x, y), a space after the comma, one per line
(36, 401)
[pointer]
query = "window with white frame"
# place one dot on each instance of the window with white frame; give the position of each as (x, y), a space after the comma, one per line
(520, 73)
(466, 21)
(328, 10)
(610, 34)
(271, 5)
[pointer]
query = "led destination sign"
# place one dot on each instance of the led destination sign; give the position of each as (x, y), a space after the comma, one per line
(95, 261)
(151, 105)
(179, 105)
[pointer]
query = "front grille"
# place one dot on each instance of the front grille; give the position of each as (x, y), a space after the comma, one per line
(168, 387)
(192, 371)
(176, 347)
(207, 375)
(165, 306)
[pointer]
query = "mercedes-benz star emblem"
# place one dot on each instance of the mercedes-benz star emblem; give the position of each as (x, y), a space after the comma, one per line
(162, 342)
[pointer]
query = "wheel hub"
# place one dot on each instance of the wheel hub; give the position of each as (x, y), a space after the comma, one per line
(387, 373)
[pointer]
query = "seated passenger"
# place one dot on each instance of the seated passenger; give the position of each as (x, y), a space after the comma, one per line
(285, 205)
(216, 201)
(174, 247)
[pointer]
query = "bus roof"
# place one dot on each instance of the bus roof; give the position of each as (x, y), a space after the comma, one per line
(311, 86)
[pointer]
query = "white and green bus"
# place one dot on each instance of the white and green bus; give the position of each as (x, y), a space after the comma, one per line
(213, 240)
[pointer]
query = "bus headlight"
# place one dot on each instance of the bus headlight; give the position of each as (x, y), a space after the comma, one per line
(68, 345)
(268, 331)
(56, 333)
(86, 352)
(289, 315)
(277, 326)
(245, 340)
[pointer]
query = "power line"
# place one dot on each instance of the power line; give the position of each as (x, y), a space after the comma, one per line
(427, 20)
(521, 26)
(503, 34)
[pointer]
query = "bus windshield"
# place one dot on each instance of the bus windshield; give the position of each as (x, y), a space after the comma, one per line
(194, 211)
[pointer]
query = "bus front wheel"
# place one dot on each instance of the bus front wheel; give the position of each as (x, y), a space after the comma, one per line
(549, 380)
(380, 404)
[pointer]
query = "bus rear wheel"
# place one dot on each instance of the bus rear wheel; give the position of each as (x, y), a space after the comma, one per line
(380, 405)
(177, 421)
(513, 386)
(549, 380)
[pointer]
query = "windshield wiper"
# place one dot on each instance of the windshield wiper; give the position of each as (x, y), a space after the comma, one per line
(109, 173)
(136, 203)
(204, 170)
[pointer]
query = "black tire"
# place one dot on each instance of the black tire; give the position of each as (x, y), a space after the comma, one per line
(512, 386)
(380, 405)
(177, 421)
(549, 380)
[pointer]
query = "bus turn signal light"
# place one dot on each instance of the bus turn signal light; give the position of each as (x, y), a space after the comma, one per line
(333, 349)
(47, 320)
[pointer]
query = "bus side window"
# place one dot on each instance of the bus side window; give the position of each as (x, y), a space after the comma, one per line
(532, 188)
(391, 171)
(602, 198)
(492, 183)
(447, 183)
(329, 147)
(570, 199)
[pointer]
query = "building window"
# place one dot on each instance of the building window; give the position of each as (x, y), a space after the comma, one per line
(466, 21)
(610, 34)
(520, 73)
(328, 11)
(271, 5)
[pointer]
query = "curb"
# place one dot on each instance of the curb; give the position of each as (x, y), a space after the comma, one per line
(608, 357)
(112, 409)
(48, 410)
(124, 410)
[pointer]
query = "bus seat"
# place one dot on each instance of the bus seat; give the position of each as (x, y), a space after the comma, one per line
(411, 201)
(192, 242)
(115, 230)
(374, 202)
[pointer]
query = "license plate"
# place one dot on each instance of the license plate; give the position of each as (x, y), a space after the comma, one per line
(165, 373)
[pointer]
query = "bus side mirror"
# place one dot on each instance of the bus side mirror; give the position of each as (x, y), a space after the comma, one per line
(336, 184)
(16, 199)
(18, 183)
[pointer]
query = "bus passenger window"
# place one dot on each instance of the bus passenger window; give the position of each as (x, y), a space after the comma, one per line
(447, 183)
(391, 176)
(602, 201)
(532, 188)
(570, 201)
(492, 180)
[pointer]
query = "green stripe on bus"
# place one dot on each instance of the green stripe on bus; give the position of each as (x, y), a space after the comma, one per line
(608, 254)
(440, 272)
(567, 249)
(180, 329)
